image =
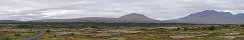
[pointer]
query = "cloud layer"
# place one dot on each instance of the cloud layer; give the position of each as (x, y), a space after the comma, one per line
(156, 9)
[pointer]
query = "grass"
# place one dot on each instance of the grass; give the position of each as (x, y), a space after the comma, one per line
(132, 33)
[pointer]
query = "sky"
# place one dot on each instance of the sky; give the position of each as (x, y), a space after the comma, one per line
(68, 9)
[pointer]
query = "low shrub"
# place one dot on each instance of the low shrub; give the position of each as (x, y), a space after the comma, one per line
(17, 34)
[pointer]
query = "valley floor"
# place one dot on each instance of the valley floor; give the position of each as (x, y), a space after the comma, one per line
(198, 32)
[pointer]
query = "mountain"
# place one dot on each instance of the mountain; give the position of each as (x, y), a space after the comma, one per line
(211, 17)
(9, 21)
(239, 16)
(203, 17)
(133, 17)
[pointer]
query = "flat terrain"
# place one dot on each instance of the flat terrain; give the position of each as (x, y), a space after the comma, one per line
(133, 32)
(16, 34)
(192, 33)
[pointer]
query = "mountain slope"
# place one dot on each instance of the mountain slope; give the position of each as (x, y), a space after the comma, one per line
(239, 18)
(134, 17)
(8, 21)
(211, 17)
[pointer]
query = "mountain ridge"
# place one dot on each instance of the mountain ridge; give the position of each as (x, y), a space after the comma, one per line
(202, 17)
(133, 18)
(211, 17)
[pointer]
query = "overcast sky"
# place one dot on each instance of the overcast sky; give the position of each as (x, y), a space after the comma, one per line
(156, 9)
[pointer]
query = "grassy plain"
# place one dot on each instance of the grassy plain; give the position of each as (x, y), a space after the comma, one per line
(84, 32)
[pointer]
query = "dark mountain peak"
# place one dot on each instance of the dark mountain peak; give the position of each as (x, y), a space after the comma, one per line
(211, 13)
(214, 12)
(133, 15)
(212, 17)
(240, 14)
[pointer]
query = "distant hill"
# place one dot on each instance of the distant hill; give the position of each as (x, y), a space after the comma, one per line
(9, 21)
(139, 18)
(130, 18)
(203, 17)
(211, 17)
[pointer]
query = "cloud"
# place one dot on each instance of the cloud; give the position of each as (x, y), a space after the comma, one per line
(156, 9)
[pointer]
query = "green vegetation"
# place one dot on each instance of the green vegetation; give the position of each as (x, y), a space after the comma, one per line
(94, 32)
(11, 35)
(43, 26)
